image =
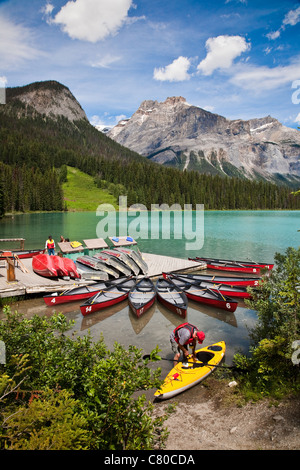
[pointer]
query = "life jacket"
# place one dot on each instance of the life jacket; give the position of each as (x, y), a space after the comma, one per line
(50, 245)
(189, 327)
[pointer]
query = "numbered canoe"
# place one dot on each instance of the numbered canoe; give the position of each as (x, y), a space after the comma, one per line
(107, 297)
(225, 290)
(188, 374)
(206, 296)
(228, 280)
(237, 263)
(172, 297)
(142, 296)
(78, 293)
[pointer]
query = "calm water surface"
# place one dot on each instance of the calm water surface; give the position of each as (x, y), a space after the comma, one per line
(255, 235)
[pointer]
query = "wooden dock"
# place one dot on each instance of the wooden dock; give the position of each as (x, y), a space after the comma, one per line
(27, 283)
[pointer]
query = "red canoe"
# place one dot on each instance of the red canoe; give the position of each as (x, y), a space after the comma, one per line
(245, 264)
(230, 267)
(228, 280)
(71, 268)
(58, 263)
(78, 293)
(206, 296)
(22, 254)
(224, 289)
(108, 297)
(43, 265)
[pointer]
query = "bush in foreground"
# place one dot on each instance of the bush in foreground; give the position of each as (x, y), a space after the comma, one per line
(60, 392)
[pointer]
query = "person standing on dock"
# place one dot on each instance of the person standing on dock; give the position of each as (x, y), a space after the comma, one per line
(50, 245)
(182, 337)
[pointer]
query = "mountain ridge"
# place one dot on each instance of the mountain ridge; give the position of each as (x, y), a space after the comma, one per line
(176, 133)
(49, 98)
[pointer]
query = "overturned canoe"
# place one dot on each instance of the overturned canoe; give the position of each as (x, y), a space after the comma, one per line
(126, 260)
(43, 265)
(137, 258)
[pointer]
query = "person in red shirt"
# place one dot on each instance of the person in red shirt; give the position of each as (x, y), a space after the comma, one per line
(182, 337)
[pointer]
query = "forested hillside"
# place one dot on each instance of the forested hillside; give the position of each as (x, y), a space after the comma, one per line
(34, 148)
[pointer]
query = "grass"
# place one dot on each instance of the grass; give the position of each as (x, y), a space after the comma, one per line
(81, 193)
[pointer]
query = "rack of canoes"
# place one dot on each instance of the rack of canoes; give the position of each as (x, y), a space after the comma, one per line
(102, 266)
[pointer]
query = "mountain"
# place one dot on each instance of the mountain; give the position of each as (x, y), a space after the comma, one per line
(178, 134)
(48, 98)
(43, 129)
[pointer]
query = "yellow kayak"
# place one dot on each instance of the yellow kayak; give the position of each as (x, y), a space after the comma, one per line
(187, 374)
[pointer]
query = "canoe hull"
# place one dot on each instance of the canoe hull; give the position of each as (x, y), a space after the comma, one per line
(43, 265)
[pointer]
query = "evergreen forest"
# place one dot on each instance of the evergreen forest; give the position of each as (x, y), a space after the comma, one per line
(35, 149)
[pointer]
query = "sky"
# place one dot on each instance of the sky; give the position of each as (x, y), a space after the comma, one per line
(236, 58)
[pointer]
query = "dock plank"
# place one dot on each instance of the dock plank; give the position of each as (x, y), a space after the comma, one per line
(157, 264)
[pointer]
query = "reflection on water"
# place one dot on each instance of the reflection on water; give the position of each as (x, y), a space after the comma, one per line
(118, 323)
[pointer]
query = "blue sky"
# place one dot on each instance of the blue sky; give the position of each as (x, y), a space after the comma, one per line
(237, 58)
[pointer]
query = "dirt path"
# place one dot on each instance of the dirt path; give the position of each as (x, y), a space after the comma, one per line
(207, 418)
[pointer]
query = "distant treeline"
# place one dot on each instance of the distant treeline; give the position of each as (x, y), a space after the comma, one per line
(34, 150)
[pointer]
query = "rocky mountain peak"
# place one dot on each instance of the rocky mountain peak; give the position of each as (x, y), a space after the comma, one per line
(48, 98)
(179, 134)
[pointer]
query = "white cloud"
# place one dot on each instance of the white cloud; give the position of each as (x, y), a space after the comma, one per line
(177, 71)
(93, 20)
(221, 52)
(105, 62)
(47, 9)
(266, 78)
(290, 19)
(15, 44)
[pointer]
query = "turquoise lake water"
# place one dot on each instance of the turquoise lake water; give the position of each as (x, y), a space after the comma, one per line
(255, 235)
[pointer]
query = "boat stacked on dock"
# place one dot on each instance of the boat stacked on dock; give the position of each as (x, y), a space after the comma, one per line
(54, 266)
(113, 263)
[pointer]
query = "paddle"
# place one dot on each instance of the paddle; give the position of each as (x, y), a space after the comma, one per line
(195, 364)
